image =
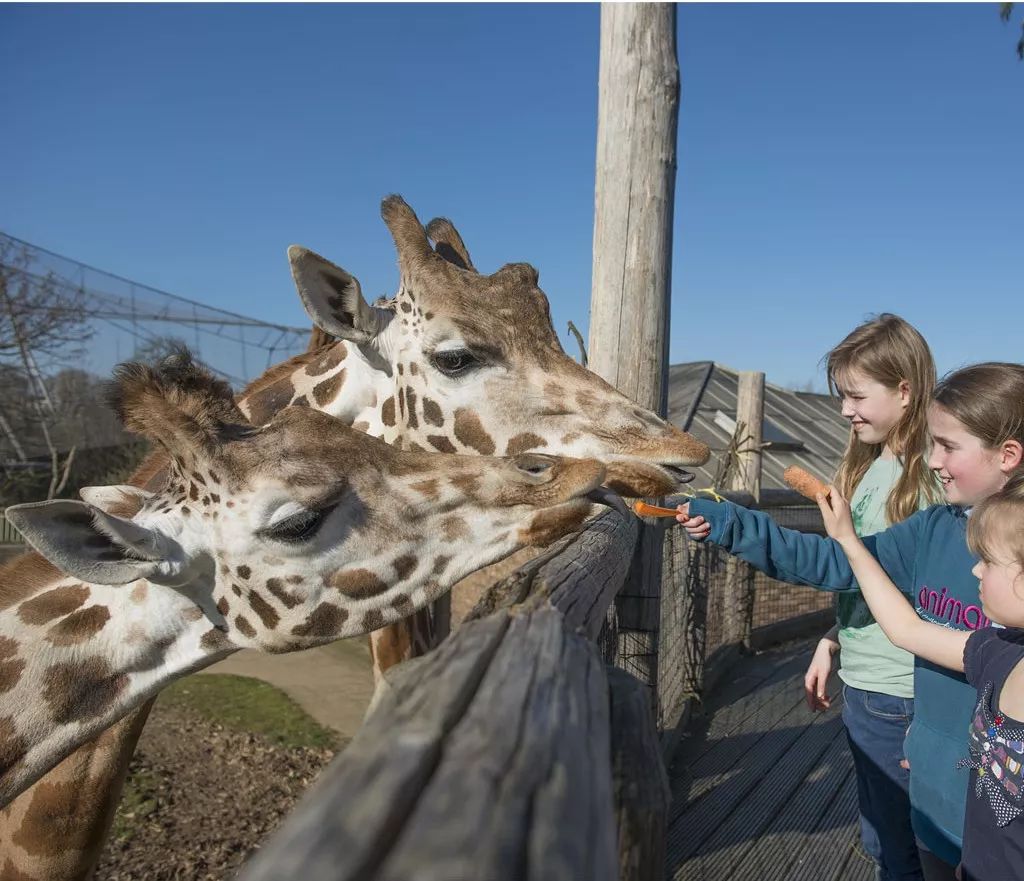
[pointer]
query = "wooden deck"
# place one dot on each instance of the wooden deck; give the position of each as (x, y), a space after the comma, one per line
(762, 787)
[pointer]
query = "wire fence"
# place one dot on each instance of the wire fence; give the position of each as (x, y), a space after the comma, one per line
(127, 316)
(64, 325)
(718, 602)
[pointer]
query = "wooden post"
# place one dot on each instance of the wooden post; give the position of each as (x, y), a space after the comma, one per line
(745, 477)
(749, 432)
(638, 108)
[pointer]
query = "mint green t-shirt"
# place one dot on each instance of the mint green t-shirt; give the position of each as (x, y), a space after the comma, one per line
(868, 660)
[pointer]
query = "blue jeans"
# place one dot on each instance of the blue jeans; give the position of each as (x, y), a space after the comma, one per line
(876, 725)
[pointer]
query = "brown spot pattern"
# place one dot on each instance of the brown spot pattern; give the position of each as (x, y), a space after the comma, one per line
(328, 360)
(325, 620)
(523, 442)
(328, 389)
(403, 605)
(387, 412)
(267, 613)
(469, 431)
(244, 627)
(410, 403)
(79, 626)
(11, 667)
(223, 606)
(82, 690)
(454, 527)
(440, 443)
(287, 599)
(244, 572)
(358, 583)
(432, 412)
(264, 403)
(428, 487)
(373, 620)
(53, 604)
(63, 811)
(404, 565)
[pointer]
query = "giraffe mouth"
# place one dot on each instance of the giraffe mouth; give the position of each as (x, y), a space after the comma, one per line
(680, 475)
(604, 496)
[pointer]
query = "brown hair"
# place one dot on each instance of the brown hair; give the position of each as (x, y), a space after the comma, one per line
(890, 351)
(988, 399)
(999, 520)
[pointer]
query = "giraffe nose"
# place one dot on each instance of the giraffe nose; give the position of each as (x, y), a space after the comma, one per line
(533, 463)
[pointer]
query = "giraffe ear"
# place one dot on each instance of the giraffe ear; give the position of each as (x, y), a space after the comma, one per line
(84, 542)
(121, 500)
(333, 299)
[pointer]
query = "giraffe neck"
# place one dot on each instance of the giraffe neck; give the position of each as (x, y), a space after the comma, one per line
(77, 656)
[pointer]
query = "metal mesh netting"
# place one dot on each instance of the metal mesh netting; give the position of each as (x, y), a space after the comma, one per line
(694, 614)
(63, 326)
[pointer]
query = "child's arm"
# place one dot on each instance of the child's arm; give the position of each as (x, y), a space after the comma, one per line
(799, 557)
(820, 668)
(891, 608)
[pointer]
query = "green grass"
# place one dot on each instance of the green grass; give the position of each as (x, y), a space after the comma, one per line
(241, 703)
(138, 801)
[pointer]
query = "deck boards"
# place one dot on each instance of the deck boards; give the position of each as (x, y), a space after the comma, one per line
(762, 787)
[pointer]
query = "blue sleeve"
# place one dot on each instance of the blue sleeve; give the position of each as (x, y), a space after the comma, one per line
(805, 558)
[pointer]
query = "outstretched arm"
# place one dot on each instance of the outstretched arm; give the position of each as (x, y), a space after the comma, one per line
(892, 610)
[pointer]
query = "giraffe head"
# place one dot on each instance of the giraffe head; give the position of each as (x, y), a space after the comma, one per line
(302, 530)
(459, 361)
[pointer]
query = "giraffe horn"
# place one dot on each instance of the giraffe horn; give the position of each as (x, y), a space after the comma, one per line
(407, 231)
(449, 244)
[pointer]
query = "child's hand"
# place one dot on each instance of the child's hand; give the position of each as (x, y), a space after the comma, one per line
(816, 677)
(835, 512)
(696, 527)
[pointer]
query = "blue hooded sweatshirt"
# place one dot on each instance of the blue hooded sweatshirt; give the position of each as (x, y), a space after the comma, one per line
(926, 556)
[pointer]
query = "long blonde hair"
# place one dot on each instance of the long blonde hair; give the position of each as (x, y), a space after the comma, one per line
(890, 351)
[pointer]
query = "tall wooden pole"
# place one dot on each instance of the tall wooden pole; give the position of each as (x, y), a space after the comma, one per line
(638, 108)
(745, 476)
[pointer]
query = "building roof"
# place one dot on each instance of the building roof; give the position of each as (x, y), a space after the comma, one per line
(802, 428)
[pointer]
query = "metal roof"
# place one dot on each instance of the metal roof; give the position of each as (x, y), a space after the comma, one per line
(699, 392)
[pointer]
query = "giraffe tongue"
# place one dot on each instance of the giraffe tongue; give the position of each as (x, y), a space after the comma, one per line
(604, 496)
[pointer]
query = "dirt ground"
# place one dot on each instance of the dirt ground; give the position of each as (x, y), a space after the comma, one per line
(205, 791)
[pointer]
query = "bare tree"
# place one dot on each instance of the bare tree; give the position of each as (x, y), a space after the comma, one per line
(1006, 13)
(42, 322)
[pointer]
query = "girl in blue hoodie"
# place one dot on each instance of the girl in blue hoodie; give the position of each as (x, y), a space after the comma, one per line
(976, 421)
(992, 659)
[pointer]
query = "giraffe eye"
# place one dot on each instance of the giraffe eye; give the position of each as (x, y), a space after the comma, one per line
(455, 362)
(299, 527)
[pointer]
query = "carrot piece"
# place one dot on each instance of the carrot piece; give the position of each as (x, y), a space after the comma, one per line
(804, 482)
(642, 509)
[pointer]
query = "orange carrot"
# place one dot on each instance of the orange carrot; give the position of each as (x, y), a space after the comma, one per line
(642, 509)
(804, 482)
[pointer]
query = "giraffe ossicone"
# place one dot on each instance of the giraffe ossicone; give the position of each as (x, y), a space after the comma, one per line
(275, 537)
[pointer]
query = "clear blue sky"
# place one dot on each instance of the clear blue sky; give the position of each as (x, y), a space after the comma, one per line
(833, 160)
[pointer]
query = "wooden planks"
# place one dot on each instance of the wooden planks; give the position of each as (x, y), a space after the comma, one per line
(763, 788)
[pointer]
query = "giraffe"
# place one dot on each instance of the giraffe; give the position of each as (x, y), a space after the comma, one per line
(455, 361)
(277, 538)
(463, 362)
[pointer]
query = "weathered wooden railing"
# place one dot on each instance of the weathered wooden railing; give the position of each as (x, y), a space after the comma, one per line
(509, 752)
(512, 751)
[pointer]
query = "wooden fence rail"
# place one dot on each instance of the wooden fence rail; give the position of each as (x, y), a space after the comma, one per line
(512, 751)
(508, 752)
